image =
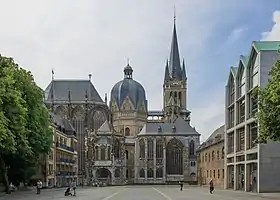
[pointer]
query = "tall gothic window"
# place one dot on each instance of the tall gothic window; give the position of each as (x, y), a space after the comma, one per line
(150, 173)
(98, 119)
(159, 148)
(174, 157)
(103, 153)
(142, 148)
(142, 173)
(150, 148)
(127, 131)
(96, 153)
(117, 148)
(109, 153)
(191, 148)
(159, 173)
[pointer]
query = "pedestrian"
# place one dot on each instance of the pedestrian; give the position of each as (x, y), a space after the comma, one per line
(39, 186)
(74, 186)
(211, 184)
(181, 185)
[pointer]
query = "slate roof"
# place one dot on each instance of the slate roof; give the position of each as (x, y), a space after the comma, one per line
(63, 124)
(179, 128)
(217, 136)
(60, 91)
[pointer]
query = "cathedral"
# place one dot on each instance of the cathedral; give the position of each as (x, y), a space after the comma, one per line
(121, 141)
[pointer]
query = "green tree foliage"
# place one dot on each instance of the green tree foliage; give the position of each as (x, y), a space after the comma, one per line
(269, 107)
(25, 126)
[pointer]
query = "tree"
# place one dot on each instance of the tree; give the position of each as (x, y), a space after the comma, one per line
(269, 107)
(25, 126)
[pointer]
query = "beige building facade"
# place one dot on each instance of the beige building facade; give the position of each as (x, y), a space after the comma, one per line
(211, 158)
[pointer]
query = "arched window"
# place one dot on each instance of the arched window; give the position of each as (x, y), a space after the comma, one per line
(109, 153)
(127, 131)
(150, 173)
(117, 148)
(150, 148)
(159, 173)
(191, 148)
(103, 153)
(142, 173)
(96, 153)
(174, 157)
(159, 148)
(142, 148)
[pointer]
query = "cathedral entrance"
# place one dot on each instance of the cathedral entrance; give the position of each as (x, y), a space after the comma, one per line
(174, 157)
(104, 175)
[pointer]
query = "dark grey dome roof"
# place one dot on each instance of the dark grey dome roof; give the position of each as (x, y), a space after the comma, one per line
(128, 87)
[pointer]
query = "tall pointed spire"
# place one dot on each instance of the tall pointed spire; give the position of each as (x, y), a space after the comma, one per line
(174, 60)
(166, 74)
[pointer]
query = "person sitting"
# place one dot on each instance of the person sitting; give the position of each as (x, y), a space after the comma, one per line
(67, 192)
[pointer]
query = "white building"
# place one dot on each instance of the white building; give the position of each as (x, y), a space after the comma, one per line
(249, 166)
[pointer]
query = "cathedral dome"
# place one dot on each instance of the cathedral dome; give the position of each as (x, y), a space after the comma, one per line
(128, 87)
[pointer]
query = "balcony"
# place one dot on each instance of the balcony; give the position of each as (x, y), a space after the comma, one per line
(66, 160)
(63, 173)
(63, 146)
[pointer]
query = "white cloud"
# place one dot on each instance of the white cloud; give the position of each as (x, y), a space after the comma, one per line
(236, 34)
(95, 36)
(274, 33)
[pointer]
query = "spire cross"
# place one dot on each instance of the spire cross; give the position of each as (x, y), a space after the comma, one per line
(174, 14)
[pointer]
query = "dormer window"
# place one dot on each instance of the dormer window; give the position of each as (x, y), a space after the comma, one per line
(173, 129)
(159, 129)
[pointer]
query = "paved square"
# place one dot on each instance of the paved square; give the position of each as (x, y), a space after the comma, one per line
(141, 193)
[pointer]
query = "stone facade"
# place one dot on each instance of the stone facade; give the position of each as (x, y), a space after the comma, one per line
(210, 156)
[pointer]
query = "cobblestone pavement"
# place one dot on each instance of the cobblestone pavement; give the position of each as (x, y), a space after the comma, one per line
(142, 193)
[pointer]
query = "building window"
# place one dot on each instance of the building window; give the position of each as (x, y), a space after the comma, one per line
(230, 141)
(117, 148)
(127, 131)
(103, 153)
(159, 173)
(241, 82)
(109, 153)
(126, 154)
(142, 173)
(241, 139)
(191, 148)
(207, 174)
(205, 157)
(159, 148)
(252, 136)
(218, 173)
(241, 110)
(218, 155)
(193, 164)
(210, 173)
(223, 152)
(142, 148)
(231, 88)
(231, 116)
(150, 173)
(253, 105)
(223, 173)
(174, 157)
(214, 173)
(213, 155)
(150, 148)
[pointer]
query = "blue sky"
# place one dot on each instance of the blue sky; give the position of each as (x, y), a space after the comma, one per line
(95, 36)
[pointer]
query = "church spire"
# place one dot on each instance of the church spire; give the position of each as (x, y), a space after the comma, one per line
(184, 75)
(166, 74)
(174, 60)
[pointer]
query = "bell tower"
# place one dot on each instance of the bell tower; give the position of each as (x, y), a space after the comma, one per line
(175, 81)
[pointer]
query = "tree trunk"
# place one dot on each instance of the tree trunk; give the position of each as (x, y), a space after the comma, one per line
(4, 171)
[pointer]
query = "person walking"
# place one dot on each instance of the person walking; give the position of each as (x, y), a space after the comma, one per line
(74, 186)
(39, 186)
(211, 184)
(181, 185)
